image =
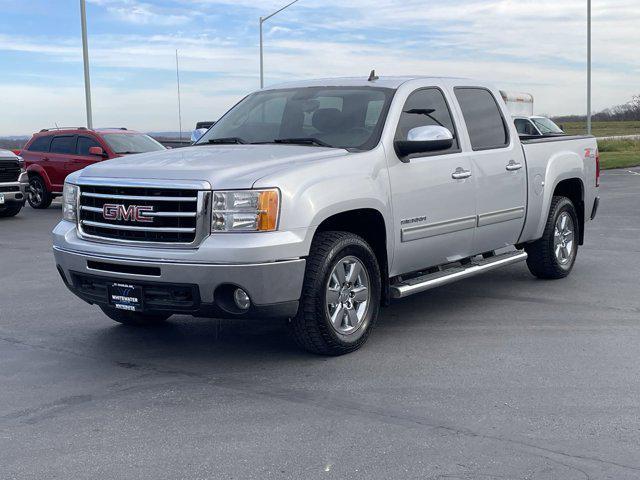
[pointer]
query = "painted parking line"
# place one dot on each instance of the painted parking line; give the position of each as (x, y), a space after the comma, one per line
(619, 173)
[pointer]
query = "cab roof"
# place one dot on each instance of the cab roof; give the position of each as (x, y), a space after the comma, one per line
(384, 82)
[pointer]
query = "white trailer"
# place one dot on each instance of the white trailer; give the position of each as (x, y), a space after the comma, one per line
(518, 104)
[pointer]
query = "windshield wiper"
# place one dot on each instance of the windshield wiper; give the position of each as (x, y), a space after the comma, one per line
(303, 141)
(127, 153)
(226, 140)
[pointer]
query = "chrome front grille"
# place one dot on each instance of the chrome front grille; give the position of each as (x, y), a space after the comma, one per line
(143, 214)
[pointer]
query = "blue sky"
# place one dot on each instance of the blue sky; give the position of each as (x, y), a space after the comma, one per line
(533, 46)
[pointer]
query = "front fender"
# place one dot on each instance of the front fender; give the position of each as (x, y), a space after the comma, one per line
(313, 193)
(320, 202)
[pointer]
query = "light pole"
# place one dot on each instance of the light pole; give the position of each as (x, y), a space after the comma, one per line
(588, 67)
(179, 101)
(262, 20)
(85, 58)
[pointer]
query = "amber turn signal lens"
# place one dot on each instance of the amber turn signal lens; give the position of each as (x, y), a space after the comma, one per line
(268, 205)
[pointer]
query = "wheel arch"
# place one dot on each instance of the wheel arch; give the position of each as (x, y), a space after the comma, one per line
(37, 170)
(368, 223)
(573, 189)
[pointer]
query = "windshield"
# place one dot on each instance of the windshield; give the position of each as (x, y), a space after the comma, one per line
(339, 117)
(131, 143)
(546, 125)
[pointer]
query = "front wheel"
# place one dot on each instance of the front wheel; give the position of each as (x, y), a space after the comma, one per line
(134, 318)
(340, 296)
(554, 255)
(10, 210)
(39, 197)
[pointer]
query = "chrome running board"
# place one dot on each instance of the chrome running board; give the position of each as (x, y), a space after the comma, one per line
(453, 274)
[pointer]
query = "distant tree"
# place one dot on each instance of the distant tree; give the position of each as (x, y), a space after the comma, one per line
(629, 111)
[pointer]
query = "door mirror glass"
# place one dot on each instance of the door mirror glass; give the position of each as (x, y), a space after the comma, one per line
(96, 151)
(428, 138)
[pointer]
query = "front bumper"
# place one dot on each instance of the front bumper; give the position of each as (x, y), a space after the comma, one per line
(15, 192)
(198, 289)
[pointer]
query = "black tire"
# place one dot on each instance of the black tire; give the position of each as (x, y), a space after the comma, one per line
(10, 210)
(543, 261)
(134, 318)
(312, 327)
(38, 197)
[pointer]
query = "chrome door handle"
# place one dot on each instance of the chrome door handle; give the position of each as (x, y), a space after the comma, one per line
(461, 173)
(513, 166)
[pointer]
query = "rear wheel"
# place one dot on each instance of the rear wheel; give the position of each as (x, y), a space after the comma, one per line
(134, 318)
(554, 255)
(340, 297)
(10, 210)
(39, 197)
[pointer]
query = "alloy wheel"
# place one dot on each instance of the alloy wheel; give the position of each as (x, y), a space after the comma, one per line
(348, 295)
(563, 239)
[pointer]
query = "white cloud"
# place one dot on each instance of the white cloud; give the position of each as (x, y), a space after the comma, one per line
(523, 45)
(141, 13)
(146, 109)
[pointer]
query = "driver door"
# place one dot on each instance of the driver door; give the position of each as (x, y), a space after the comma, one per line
(433, 193)
(83, 158)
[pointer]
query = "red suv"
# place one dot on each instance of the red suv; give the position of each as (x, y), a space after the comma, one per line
(52, 154)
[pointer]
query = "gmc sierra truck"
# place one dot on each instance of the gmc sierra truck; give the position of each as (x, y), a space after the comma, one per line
(14, 183)
(321, 201)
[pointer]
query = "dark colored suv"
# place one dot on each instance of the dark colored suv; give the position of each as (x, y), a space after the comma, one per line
(52, 154)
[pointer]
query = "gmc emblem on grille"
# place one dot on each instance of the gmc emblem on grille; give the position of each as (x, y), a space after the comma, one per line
(132, 213)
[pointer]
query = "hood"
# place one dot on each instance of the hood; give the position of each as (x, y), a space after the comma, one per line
(8, 155)
(223, 166)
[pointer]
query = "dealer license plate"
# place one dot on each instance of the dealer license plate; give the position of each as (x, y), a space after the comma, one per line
(125, 297)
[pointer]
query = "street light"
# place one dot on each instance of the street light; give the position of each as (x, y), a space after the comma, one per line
(85, 58)
(262, 20)
(588, 67)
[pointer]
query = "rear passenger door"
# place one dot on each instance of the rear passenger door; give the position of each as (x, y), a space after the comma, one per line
(499, 168)
(37, 153)
(61, 153)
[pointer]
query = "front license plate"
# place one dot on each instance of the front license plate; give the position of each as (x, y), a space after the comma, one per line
(1, 198)
(125, 297)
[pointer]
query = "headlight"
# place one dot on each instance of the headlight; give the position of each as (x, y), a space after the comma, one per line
(70, 202)
(22, 165)
(245, 210)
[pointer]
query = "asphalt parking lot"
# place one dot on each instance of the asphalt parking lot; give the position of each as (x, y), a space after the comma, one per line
(497, 377)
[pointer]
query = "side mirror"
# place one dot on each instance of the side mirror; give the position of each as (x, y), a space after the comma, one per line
(429, 138)
(96, 151)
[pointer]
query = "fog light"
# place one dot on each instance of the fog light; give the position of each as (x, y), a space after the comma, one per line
(242, 299)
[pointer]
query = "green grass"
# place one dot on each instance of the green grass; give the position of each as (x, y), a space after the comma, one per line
(602, 129)
(619, 153)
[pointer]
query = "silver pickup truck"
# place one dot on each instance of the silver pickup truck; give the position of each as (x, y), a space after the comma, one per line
(14, 183)
(321, 201)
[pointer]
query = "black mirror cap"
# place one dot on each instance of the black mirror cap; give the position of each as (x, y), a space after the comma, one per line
(404, 148)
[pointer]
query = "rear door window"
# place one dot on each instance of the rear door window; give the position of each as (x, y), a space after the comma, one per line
(64, 144)
(84, 144)
(40, 144)
(485, 123)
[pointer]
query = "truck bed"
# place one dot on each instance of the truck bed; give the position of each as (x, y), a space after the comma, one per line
(530, 139)
(550, 160)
